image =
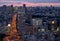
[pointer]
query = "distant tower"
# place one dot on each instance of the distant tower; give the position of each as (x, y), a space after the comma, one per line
(11, 9)
(24, 8)
(24, 21)
(27, 14)
(28, 20)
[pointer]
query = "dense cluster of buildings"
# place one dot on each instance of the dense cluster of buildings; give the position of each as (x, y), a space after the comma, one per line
(33, 23)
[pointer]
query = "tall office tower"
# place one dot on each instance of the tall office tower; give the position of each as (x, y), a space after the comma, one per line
(28, 19)
(23, 23)
(11, 10)
(24, 8)
(28, 15)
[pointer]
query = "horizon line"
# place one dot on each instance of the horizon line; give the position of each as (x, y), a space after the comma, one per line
(32, 4)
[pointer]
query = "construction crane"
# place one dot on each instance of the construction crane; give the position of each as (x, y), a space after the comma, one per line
(13, 34)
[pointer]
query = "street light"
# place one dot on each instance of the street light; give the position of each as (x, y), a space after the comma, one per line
(8, 28)
(9, 25)
(53, 22)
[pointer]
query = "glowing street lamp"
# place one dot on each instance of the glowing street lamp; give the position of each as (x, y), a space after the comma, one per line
(9, 25)
(8, 29)
(53, 22)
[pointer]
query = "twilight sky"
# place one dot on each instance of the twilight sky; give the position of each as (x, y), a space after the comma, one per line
(31, 2)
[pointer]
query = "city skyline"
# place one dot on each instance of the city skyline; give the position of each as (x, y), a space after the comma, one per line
(30, 2)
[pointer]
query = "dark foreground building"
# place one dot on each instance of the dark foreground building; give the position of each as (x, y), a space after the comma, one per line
(2, 36)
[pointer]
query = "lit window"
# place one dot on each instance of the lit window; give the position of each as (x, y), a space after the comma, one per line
(57, 29)
(34, 21)
(42, 30)
(39, 30)
(37, 22)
